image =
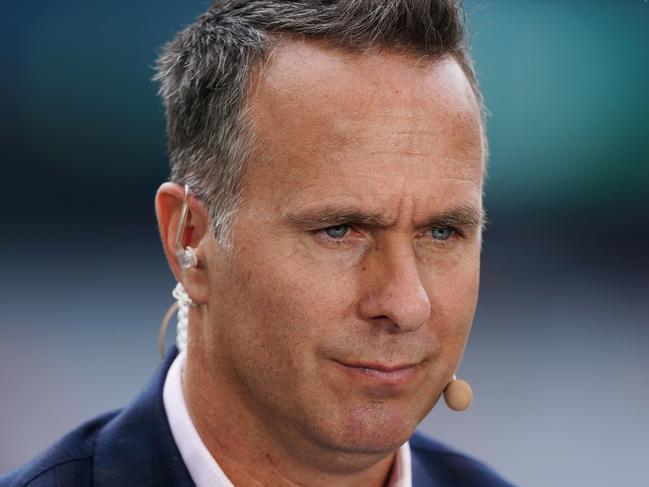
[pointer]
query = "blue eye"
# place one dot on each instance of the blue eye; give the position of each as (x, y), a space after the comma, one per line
(339, 231)
(442, 233)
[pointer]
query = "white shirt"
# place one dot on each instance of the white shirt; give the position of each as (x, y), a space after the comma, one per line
(203, 468)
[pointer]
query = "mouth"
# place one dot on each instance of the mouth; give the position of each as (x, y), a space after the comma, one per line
(380, 373)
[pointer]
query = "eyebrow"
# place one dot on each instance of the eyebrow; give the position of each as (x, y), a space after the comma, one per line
(329, 216)
(466, 216)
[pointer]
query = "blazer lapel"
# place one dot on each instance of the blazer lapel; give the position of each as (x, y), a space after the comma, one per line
(422, 473)
(137, 448)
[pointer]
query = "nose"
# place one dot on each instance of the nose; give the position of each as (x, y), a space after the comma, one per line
(395, 296)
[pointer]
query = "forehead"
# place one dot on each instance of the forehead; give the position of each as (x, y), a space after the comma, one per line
(329, 121)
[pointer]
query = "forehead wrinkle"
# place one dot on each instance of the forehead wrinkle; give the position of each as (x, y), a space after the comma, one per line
(415, 140)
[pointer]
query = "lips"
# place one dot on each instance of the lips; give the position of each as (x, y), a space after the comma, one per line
(379, 372)
(378, 366)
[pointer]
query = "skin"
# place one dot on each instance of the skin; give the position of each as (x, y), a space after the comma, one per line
(290, 376)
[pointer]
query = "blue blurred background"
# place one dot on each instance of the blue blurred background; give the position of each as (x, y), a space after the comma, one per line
(559, 353)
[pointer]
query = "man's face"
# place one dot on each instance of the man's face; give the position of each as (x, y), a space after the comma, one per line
(344, 306)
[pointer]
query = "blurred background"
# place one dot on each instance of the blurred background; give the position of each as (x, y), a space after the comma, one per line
(560, 349)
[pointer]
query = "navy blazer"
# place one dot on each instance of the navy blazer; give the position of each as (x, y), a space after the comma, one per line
(134, 447)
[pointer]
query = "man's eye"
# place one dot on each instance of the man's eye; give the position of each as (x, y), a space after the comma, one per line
(442, 233)
(339, 231)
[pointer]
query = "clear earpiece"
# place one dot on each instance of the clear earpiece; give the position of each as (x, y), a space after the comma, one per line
(186, 256)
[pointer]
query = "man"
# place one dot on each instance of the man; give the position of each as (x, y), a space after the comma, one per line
(324, 221)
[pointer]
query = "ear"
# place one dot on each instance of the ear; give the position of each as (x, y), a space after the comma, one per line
(168, 205)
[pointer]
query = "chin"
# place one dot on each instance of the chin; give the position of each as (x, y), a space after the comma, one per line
(375, 429)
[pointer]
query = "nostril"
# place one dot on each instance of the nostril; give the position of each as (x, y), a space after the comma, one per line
(388, 324)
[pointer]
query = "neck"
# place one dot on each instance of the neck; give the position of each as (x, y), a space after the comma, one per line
(251, 453)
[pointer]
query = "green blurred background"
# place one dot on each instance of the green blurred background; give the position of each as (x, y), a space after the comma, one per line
(560, 348)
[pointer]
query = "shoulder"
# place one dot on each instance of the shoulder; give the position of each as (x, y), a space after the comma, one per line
(436, 464)
(69, 462)
(133, 446)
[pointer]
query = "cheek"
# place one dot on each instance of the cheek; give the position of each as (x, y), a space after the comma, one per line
(285, 312)
(283, 302)
(453, 293)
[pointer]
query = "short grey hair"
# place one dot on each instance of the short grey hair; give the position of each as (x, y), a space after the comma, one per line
(204, 74)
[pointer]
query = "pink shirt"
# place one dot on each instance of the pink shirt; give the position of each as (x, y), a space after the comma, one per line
(203, 468)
